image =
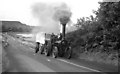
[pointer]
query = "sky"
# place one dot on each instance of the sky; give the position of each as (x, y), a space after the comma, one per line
(20, 10)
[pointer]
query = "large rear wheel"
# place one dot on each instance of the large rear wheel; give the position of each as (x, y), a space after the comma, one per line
(55, 52)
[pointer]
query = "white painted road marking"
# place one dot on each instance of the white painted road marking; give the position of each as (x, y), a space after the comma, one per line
(78, 65)
(48, 59)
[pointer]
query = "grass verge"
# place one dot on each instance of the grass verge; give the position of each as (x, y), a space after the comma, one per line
(101, 57)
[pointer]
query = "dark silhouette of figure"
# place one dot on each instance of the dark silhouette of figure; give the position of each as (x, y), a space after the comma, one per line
(37, 47)
(52, 38)
(60, 36)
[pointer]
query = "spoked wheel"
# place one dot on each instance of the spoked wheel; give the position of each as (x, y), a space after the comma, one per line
(46, 52)
(55, 52)
(68, 53)
(41, 49)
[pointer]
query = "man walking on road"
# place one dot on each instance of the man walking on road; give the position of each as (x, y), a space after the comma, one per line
(40, 39)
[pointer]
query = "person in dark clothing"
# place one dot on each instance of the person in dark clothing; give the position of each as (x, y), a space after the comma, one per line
(37, 47)
(52, 38)
(60, 36)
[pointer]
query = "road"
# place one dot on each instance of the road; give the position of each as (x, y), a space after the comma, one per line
(23, 59)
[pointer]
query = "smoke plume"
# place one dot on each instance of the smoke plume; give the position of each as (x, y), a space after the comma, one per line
(51, 15)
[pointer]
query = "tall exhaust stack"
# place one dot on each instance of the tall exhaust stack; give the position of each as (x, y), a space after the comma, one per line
(63, 30)
(63, 22)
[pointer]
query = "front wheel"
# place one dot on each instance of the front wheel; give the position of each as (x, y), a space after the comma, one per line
(68, 53)
(55, 52)
(41, 49)
(46, 51)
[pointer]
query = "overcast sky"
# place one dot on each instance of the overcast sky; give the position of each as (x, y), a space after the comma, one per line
(20, 10)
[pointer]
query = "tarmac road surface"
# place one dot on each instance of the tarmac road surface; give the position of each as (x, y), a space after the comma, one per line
(23, 59)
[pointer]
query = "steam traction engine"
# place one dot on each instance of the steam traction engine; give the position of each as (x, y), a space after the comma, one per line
(57, 46)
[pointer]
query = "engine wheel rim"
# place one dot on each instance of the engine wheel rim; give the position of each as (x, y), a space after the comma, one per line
(40, 49)
(55, 51)
(46, 52)
(69, 53)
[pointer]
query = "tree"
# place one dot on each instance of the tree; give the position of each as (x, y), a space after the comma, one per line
(100, 31)
(109, 17)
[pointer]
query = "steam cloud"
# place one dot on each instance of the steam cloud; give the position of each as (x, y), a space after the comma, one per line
(50, 16)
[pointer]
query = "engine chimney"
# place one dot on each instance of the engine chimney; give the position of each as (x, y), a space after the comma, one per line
(64, 21)
(63, 30)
